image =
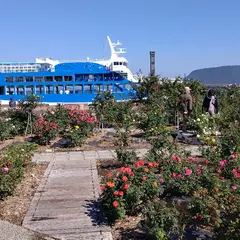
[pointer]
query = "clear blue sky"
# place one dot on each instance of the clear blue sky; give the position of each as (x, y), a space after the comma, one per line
(186, 34)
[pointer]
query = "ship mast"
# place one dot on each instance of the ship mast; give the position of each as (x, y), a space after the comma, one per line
(114, 53)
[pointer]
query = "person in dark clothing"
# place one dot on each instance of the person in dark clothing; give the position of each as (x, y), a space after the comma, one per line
(12, 103)
(210, 103)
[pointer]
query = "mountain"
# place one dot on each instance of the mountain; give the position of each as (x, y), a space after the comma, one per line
(217, 75)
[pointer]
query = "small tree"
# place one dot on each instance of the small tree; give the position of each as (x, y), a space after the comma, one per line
(102, 104)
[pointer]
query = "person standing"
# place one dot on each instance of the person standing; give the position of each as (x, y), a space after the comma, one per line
(12, 103)
(186, 106)
(210, 103)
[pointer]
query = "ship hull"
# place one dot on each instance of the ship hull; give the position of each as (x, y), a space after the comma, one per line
(69, 83)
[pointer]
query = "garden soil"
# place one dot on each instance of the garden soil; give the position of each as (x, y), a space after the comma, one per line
(14, 208)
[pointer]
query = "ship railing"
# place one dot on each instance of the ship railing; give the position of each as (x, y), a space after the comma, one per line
(87, 60)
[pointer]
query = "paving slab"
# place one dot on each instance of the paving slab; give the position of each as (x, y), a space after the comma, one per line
(105, 154)
(13, 232)
(65, 205)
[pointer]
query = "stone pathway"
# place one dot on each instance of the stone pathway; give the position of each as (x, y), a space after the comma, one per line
(65, 205)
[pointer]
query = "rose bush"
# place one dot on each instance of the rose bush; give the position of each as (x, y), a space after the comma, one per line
(193, 193)
(45, 130)
(71, 123)
(13, 161)
(128, 191)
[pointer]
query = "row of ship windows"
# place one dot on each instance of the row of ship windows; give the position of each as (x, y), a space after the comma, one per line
(120, 63)
(66, 89)
(38, 79)
(18, 70)
(19, 67)
(64, 78)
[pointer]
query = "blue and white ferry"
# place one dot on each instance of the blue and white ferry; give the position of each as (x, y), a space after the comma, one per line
(67, 82)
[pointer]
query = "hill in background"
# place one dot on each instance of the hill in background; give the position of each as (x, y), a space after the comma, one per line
(217, 75)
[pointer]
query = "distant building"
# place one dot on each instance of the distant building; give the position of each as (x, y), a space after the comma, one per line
(7, 67)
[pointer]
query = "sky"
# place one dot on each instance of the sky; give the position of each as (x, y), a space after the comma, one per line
(186, 35)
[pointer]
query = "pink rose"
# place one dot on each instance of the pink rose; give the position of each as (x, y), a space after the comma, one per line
(180, 176)
(5, 169)
(234, 188)
(188, 172)
(192, 159)
(174, 174)
(222, 163)
(199, 171)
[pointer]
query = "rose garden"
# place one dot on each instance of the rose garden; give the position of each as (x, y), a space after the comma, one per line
(169, 193)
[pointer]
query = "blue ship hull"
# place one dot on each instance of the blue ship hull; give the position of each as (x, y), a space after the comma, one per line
(68, 99)
(68, 83)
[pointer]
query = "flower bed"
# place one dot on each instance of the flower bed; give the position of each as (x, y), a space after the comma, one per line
(70, 123)
(14, 160)
(174, 194)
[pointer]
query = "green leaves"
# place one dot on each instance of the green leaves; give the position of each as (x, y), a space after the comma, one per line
(13, 161)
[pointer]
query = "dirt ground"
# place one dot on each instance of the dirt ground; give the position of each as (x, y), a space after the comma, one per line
(14, 208)
(99, 140)
(128, 229)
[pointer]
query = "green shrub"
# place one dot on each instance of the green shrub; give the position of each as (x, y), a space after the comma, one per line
(13, 160)
(76, 136)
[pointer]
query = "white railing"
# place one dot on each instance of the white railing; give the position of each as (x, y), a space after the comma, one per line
(86, 60)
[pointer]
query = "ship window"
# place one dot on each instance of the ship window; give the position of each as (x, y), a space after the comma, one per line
(20, 90)
(125, 64)
(10, 90)
(69, 89)
(91, 78)
(9, 79)
(78, 77)
(115, 63)
(117, 88)
(67, 78)
(108, 87)
(97, 89)
(29, 79)
(49, 89)
(78, 89)
(48, 79)
(2, 90)
(39, 89)
(58, 78)
(59, 89)
(124, 75)
(38, 79)
(19, 79)
(88, 88)
(29, 90)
